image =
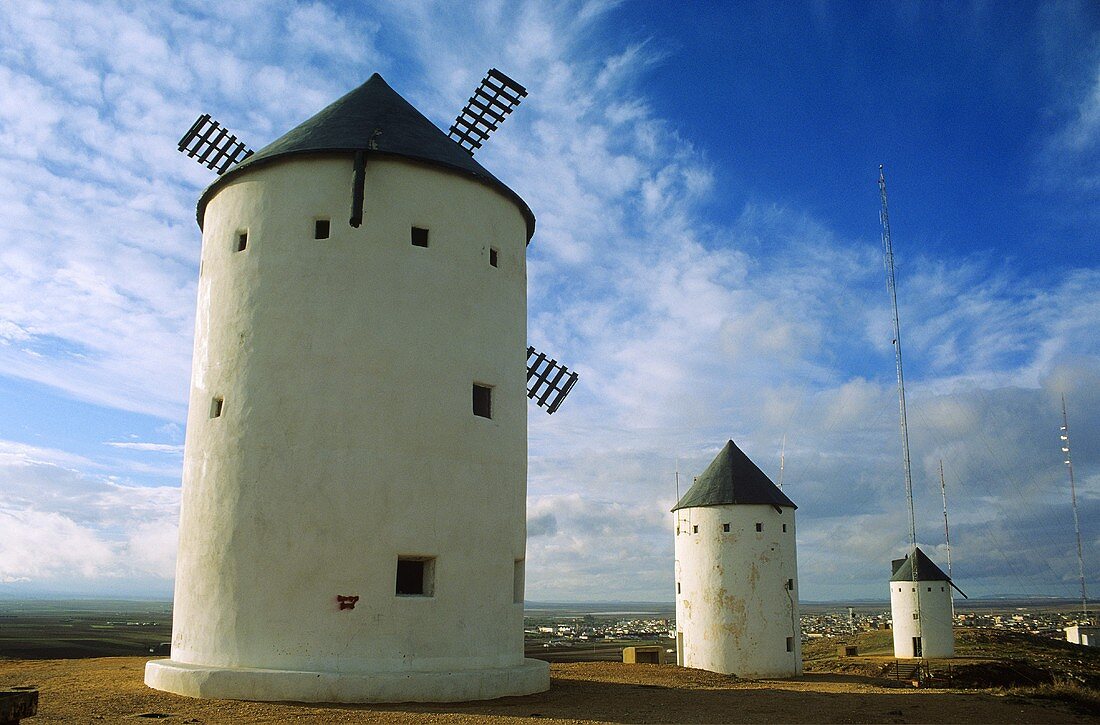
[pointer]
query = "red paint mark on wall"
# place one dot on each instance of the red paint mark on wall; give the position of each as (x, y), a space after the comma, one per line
(346, 601)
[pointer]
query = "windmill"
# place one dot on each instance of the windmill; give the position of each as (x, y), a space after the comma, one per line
(212, 145)
(353, 509)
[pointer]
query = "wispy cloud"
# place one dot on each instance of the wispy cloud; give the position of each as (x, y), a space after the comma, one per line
(140, 446)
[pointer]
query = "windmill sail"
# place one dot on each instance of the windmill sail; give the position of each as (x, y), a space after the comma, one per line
(491, 103)
(548, 381)
(211, 144)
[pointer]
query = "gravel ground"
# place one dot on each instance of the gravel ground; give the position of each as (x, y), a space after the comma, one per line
(110, 689)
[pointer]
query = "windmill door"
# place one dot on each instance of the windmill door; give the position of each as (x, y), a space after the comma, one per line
(917, 648)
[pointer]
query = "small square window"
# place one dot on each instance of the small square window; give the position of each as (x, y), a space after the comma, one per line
(415, 576)
(784, 528)
(695, 529)
(321, 228)
(790, 585)
(242, 240)
(216, 406)
(677, 587)
(483, 401)
(419, 237)
(941, 589)
(915, 615)
(929, 588)
(492, 256)
(726, 528)
(759, 526)
(790, 644)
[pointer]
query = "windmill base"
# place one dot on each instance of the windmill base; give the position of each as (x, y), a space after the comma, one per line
(274, 685)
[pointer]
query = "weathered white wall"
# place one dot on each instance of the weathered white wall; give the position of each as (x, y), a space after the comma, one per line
(733, 610)
(937, 636)
(347, 436)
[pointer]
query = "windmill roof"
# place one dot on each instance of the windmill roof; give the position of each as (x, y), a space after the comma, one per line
(731, 478)
(374, 118)
(927, 571)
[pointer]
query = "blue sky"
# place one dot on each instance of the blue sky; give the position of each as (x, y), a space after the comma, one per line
(707, 256)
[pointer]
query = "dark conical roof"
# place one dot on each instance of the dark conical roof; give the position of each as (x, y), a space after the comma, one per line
(927, 571)
(732, 478)
(375, 118)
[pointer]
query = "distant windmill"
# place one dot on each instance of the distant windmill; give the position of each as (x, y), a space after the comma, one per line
(212, 145)
(352, 523)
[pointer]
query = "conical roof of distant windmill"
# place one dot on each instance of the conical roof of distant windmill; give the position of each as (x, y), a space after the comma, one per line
(927, 571)
(732, 478)
(373, 118)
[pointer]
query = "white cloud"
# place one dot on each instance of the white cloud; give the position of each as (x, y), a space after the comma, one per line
(62, 524)
(143, 446)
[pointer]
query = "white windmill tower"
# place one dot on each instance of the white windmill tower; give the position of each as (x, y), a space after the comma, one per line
(737, 572)
(354, 490)
(922, 608)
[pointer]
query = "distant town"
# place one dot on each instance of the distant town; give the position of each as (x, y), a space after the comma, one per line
(576, 632)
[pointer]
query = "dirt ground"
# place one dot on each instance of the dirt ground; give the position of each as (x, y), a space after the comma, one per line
(110, 689)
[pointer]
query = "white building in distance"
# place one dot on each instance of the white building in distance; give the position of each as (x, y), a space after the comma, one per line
(1083, 634)
(921, 609)
(737, 573)
(354, 488)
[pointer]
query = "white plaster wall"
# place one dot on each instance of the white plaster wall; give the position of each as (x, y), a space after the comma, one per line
(933, 627)
(733, 610)
(347, 436)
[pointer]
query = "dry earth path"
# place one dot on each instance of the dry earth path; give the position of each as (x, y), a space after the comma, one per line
(110, 689)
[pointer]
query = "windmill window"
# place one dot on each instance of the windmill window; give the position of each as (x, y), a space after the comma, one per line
(790, 644)
(695, 529)
(492, 256)
(415, 576)
(242, 240)
(784, 528)
(483, 401)
(321, 228)
(216, 406)
(790, 585)
(941, 589)
(914, 589)
(929, 588)
(759, 526)
(419, 237)
(517, 582)
(916, 615)
(677, 587)
(726, 528)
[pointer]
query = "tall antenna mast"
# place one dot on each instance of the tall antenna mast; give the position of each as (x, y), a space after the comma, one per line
(891, 287)
(1076, 521)
(782, 460)
(946, 528)
(946, 534)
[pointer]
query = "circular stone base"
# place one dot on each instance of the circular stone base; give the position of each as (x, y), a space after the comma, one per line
(412, 686)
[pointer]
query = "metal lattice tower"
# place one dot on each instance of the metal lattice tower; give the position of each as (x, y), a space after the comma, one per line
(946, 533)
(1076, 521)
(891, 287)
